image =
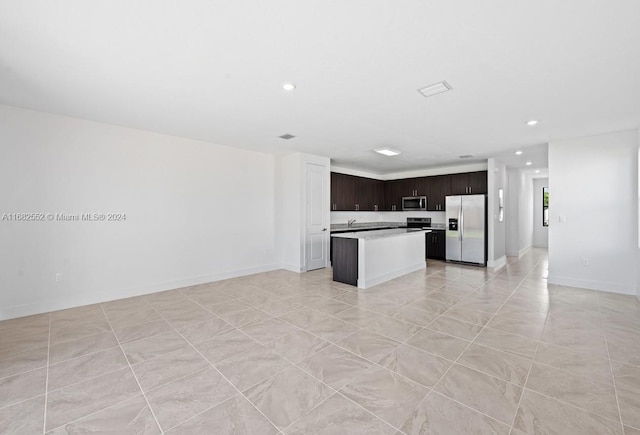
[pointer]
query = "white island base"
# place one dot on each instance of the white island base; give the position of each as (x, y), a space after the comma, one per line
(382, 255)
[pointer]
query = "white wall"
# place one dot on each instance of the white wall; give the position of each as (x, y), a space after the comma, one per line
(443, 170)
(540, 232)
(519, 212)
(289, 210)
(196, 212)
(593, 182)
(497, 179)
(526, 213)
(512, 212)
(341, 217)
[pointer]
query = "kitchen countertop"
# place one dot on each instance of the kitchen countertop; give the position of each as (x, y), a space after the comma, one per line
(379, 234)
(359, 226)
(364, 226)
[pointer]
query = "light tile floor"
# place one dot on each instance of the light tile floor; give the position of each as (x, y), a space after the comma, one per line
(452, 350)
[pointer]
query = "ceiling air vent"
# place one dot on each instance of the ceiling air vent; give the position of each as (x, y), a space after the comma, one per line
(466, 156)
(286, 136)
(435, 89)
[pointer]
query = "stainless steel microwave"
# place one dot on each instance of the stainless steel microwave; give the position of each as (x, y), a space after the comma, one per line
(413, 203)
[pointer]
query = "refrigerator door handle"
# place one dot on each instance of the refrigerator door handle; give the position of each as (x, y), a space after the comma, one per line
(460, 223)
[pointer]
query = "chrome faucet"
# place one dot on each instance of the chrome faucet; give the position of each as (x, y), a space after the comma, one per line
(350, 222)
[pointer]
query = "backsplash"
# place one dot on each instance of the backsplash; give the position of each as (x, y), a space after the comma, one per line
(341, 217)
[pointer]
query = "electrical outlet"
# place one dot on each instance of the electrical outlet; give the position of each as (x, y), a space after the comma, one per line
(585, 262)
(58, 277)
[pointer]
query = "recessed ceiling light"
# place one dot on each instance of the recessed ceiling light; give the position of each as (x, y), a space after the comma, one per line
(288, 87)
(537, 171)
(528, 163)
(518, 152)
(387, 152)
(286, 136)
(435, 89)
(532, 122)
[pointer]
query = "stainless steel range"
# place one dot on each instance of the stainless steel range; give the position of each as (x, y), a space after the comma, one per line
(419, 222)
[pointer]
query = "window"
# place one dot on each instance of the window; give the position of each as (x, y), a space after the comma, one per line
(545, 206)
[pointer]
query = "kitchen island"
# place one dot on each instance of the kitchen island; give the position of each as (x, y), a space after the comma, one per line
(365, 259)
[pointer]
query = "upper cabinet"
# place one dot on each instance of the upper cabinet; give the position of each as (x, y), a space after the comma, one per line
(437, 189)
(351, 193)
(468, 183)
(370, 194)
(343, 191)
(393, 193)
(414, 186)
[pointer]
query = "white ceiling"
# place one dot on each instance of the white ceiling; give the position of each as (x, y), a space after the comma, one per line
(212, 70)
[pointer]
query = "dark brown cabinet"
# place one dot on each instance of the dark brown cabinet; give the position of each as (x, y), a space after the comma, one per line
(414, 186)
(393, 195)
(435, 245)
(395, 190)
(351, 193)
(370, 194)
(468, 183)
(436, 191)
(345, 260)
(343, 191)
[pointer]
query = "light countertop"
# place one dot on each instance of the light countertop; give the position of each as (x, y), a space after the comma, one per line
(379, 234)
(366, 226)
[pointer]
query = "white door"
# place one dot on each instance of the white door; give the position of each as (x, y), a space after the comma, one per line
(317, 231)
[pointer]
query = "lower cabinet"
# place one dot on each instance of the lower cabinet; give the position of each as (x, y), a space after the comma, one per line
(345, 260)
(435, 245)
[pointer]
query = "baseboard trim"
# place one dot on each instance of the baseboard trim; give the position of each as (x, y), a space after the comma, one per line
(523, 251)
(610, 287)
(368, 283)
(292, 268)
(497, 264)
(46, 306)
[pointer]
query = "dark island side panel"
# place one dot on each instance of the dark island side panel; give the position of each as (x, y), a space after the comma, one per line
(345, 260)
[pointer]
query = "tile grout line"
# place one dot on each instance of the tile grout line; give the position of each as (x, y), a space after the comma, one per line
(483, 328)
(335, 391)
(533, 361)
(524, 386)
(456, 360)
(374, 363)
(613, 377)
(216, 369)
(46, 384)
(131, 369)
(381, 314)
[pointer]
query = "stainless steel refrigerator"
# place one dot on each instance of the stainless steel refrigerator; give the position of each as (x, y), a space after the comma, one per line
(465, 236)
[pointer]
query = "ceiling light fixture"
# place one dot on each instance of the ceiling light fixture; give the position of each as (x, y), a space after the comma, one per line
(532, 122)
(387, 152)
(537, 171)
(528, 163)
(435, 89)
(518, 152)
(288, 87)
